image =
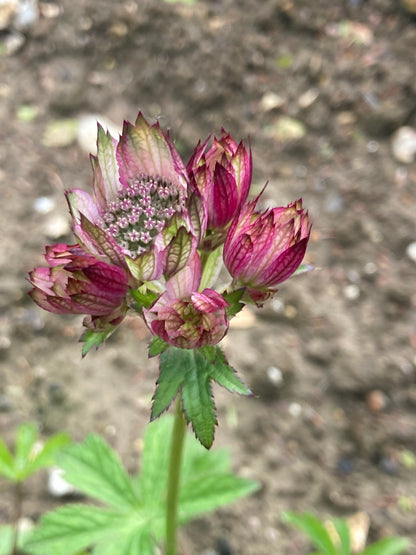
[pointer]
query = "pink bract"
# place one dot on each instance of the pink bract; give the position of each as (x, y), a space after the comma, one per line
(263, 249)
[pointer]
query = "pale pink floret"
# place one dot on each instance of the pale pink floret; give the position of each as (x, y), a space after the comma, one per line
(184, 317)
(263, 249)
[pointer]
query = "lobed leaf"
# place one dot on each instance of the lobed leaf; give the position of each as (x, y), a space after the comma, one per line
(71, 528)
(206, 493)
(95, 469)
(387, 546)
(314, 529)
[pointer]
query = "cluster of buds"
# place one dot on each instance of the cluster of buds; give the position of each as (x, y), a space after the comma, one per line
(146, 233)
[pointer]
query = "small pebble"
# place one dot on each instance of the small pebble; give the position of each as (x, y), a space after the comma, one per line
(275, 375)
(388, 465)
(376, 400)
(411, 251)
(44, 205)
(56, 226)
(370, 269)
(403, 144)
(345, 466)
(271, 101)
(295, 409)
(57, 485)
(308, 98)
(351, 292)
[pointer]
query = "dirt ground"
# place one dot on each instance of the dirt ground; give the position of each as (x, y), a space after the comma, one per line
(322, 89)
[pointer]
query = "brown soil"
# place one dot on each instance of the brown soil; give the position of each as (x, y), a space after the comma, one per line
(332, 360)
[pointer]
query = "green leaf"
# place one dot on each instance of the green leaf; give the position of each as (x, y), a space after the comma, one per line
(157, 346)
(387, 546)
(191, 371)
(343, 531)
(95, 469)
(225, 375)
(46, 456)
(6, 462)
(155, 461)
(171, 378)
(26, 437)
(314, 529)
(92, 338)
(234, 301)
(198, 402)
(71, 528)
(208, 492)
(209, 352)
(145, 298)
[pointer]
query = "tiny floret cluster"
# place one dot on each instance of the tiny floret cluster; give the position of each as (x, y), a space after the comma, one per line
(153, 233)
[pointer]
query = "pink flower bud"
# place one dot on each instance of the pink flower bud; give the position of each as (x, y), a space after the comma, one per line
(262, 249)
(222, 176)
(185, 318)
(77, 283)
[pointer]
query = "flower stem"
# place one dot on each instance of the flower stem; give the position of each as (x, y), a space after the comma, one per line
(175, 463)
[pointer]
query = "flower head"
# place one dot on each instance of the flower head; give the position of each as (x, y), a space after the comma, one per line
(222, 176)
(138, 208)
(262, 249)
(77, 283)
(184, 317)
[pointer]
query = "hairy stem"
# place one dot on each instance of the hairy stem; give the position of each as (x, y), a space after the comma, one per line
(175, 463)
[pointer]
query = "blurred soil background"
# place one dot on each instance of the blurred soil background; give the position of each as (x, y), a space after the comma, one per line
(326, 91)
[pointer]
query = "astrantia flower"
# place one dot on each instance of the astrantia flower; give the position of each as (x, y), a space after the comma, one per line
(185, 318)
(77, 283)
(222, 176)
(262, 249)
(136, 217)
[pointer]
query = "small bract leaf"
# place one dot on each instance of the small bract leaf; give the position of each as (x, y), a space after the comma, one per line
(225, 375)
(92, 338)
(198, 402)
(157, 346)
(171, 378)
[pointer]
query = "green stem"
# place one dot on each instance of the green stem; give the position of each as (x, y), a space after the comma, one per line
(17, 516)
(175, 463)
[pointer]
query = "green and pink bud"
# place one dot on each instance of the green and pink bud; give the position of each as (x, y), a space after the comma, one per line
(138, 206)
(222, 176)
(184, 317)
(263, 249)
(77, 283)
